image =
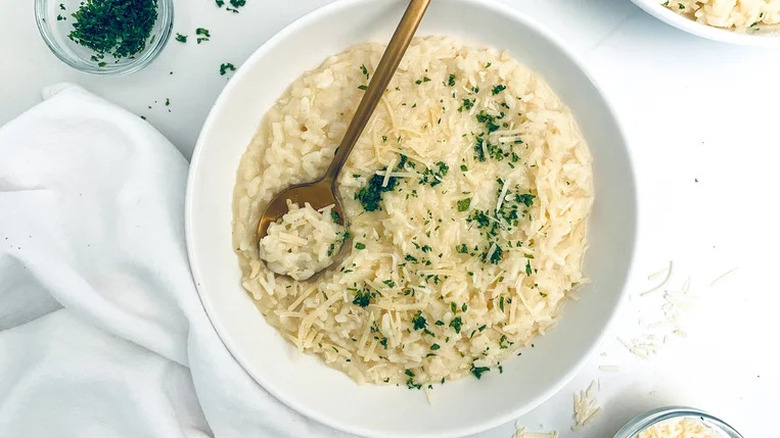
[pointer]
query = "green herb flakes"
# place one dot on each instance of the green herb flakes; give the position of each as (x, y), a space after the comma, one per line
(363, 297)
(456, 324)
(202, 35)
(116, 29)
(464, 204)
(371, 195)
(478, 371)
(225, 67)
(418, 321)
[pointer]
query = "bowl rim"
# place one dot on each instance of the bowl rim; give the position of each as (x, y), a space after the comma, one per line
(652, 417)
(165, 14)
(713, 33)
(477, 427)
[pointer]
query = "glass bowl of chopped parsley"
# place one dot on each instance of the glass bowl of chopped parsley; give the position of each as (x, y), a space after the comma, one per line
(105, 37)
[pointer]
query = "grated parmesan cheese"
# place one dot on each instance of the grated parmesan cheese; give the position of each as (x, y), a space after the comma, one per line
(679, 428)
(522, 432)
(586, 408)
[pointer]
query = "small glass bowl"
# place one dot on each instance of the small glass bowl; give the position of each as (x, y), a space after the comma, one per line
(55, 23)
(648, 419)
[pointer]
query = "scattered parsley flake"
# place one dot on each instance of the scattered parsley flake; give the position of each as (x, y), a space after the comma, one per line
(478, 371)
(225, 67)
(456, 323)
(419, 321)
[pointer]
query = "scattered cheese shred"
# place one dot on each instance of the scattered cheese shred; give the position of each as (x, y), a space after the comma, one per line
(522, 432)
(679, 428)
(663, 283)
(586, 408)
(721, 277)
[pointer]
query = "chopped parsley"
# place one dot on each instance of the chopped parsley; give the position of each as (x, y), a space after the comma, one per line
(488, 120)
(467, 104)
(497, 89)
(418, 321)
(435, 347)
(363, 297)
(364, 70)
(464, 204)
(526, 199)
(203, 34)
(370, 195)
(226, 67)
(363, 87)
(528, 270)
(410, 382)
(433, 176)
(478, 371)
(451, 81)
(495, 256)
(117, 29)
(360, 245)
(462, 248)
(456, 323)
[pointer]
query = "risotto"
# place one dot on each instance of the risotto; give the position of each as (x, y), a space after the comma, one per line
(467, 197)
(303, 242)
(741, 15)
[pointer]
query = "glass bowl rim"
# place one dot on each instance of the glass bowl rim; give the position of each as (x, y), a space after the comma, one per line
(650, 418)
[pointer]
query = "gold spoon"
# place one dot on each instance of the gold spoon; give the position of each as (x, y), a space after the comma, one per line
(323, 192)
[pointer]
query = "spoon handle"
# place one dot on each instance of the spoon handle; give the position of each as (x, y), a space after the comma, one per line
(376, 87)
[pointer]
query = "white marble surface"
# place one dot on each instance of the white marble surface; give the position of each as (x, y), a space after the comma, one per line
(694, 110)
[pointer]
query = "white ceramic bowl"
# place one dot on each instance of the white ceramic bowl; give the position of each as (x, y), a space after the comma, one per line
(461, 407)
(760, 38)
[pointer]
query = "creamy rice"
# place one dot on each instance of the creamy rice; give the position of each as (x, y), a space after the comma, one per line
(740, 15)
(302, 242)
(468, 197)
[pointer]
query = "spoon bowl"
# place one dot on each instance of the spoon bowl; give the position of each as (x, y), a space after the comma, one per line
(319, 194)
(323, 192)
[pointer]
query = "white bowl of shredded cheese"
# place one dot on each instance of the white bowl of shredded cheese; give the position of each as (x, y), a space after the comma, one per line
(743, 22)
(466, 405)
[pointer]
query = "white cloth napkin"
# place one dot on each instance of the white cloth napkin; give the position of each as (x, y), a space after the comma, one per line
(101, 330)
